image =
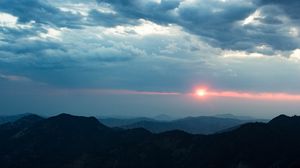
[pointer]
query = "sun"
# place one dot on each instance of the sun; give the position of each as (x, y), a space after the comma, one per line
(201, 92)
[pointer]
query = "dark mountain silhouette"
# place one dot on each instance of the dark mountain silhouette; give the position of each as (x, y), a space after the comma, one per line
(12, 118)
(194, 125)
(12, 128)
(66, 141)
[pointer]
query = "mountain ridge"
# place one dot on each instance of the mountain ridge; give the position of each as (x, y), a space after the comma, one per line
(194, 125)
(50, 143)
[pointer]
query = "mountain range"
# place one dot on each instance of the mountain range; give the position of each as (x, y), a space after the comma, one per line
(193, 125)
(162, 123)
(66, 141)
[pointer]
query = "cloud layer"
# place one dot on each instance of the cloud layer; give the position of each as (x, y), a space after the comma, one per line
(155, 45)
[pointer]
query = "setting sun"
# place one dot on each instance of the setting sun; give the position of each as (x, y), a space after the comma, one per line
(201, 92)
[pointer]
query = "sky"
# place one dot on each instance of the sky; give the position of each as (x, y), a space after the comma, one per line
(150, 57)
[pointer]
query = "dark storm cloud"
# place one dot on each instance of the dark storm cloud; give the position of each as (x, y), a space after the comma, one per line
(219, 27)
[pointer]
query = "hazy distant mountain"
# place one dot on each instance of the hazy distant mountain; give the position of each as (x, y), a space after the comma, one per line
(234, 116)
(163, 117)
(66, 141)
(195, 125)
(240, 117)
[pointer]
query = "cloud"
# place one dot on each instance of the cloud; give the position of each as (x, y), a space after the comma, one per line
(291, 7)
(14, 78)
(255, 95)
(244, 24)
(167, 45)
(8, 20)
(109, 19)
(40, 12)
(102, 92)
(224, 24)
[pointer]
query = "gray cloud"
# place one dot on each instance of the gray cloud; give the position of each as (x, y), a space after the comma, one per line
(291, 7)
(220, 22)
(109, 19)
(40, 12)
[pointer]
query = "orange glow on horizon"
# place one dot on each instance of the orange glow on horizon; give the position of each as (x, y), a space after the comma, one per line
(254, 95)
(204, 93)
(248, 95)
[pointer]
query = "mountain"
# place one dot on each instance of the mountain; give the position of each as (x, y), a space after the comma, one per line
(12, 118)
(194, 125)
(163, 117)
(13, 128)
(67, 141)
(235, 117)
(240, 117)
(119, 122)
